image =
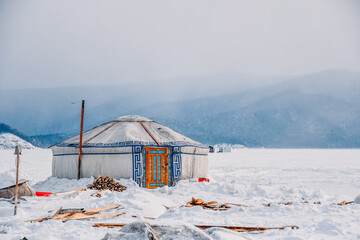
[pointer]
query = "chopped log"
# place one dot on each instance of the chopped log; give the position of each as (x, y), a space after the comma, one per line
(233, 228)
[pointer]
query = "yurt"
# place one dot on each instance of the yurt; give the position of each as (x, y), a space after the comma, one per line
(132, 147)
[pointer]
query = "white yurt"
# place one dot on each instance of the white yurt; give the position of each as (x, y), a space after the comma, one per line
(132, 147)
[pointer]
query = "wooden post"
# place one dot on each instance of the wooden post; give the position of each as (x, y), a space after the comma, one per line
(81, 135)
(17, 152)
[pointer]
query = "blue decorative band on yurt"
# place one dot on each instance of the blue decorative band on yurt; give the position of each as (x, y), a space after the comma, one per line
(136, 157)
(144, 168)
(129, 144)
(176, 168)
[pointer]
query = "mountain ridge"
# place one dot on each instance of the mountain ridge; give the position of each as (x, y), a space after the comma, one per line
(323, 107)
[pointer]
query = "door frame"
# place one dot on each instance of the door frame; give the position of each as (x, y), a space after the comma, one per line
(146, 182)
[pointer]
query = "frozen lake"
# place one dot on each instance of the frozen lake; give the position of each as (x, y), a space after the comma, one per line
(253, 177)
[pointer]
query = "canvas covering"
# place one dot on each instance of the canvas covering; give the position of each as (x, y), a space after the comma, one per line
(128, 130)
(23, 190)
(114, 149)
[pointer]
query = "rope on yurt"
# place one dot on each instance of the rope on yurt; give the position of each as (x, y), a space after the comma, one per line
(100, 132)
(147, 130)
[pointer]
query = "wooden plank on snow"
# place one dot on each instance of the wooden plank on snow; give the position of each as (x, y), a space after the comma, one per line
(96, 210)
(233, 228)
(83, 216)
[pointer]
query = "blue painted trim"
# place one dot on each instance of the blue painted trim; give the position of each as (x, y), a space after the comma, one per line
(99, 146)
(144, 168)
(169, 169)
(69, 154)
(156, 152)
(137, 170)
(176, 164)
(195, 154)
(76, 154)
(154, 167)
(159, 168)
(131, 144)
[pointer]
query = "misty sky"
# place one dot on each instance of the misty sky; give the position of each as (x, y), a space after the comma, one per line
(65, 42)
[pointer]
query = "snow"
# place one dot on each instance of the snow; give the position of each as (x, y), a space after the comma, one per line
(9, 141)
(357, 199)
(252, 177)
(133, 118)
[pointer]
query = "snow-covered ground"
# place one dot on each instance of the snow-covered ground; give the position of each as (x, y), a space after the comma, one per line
(247, 176)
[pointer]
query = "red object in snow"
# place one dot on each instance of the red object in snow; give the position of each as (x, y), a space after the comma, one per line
(43, 194)
(203, 180)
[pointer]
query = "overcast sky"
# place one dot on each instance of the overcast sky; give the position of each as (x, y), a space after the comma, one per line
(66, 42)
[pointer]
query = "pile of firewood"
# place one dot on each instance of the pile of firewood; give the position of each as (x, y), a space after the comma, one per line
(104, 183)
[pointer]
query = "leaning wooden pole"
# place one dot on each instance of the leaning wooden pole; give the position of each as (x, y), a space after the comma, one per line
(81, 135)
(17, 152)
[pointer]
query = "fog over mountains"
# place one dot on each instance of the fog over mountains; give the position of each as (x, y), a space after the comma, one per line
(320, 110)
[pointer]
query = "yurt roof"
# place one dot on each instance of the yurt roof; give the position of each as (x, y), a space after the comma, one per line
(130, 130)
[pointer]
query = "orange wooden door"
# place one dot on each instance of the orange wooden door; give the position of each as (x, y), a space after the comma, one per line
(157, 167)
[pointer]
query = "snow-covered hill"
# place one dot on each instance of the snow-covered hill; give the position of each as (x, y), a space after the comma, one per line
(9, 141)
